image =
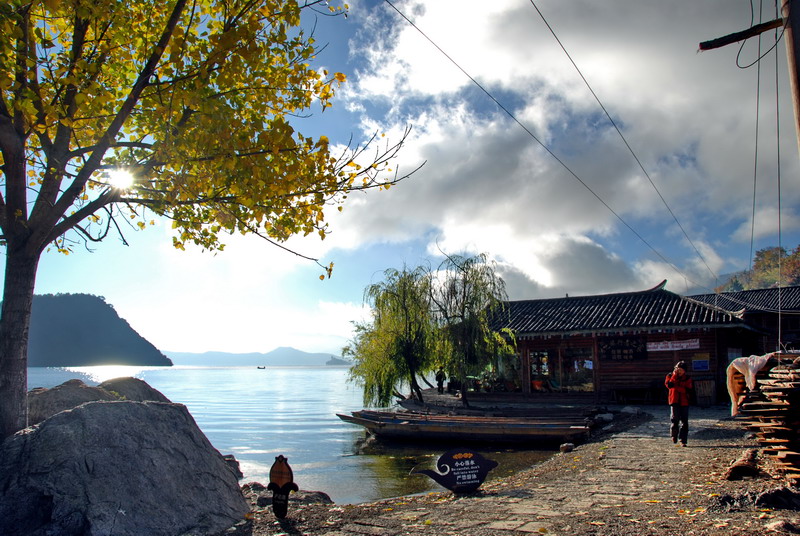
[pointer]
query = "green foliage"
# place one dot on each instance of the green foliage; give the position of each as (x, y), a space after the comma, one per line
(193, 99)
(772, 266)
(373, 368)
(466, 296)
(424, 320)
(400, 341)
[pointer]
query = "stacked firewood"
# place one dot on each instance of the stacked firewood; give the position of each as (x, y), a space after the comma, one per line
(773, 412)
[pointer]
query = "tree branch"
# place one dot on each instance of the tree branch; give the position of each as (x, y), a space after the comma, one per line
(76, 188)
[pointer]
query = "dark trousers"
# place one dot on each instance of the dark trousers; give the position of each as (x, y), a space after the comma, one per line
(679, 417)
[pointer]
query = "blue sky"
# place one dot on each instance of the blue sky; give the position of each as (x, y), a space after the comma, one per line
(487, 185)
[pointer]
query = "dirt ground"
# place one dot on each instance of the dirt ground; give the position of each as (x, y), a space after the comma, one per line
(628, 480)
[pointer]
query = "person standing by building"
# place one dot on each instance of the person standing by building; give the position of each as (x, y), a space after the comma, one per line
(440, 377)
(679, 383)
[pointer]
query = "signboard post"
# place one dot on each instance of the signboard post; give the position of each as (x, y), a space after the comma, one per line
(460, 470)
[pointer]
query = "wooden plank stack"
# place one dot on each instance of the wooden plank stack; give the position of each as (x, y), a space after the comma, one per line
(772, 412)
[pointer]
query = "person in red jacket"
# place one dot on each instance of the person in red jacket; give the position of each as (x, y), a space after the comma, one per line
(678, 382)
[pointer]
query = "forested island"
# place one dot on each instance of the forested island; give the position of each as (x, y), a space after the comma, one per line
(84, 330)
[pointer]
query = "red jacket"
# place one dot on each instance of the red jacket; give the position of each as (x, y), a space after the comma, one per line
(678, 392)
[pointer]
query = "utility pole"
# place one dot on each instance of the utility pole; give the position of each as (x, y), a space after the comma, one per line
(790, 19)
(792, 38)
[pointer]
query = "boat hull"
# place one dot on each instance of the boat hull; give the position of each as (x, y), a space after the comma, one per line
(467, 429)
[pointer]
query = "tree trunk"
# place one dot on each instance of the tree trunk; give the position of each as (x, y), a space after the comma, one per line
(20, 277)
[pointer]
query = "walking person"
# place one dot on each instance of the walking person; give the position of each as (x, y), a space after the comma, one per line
(440, 377)
(679, 383)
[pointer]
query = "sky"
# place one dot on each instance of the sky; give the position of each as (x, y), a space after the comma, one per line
(521, 162)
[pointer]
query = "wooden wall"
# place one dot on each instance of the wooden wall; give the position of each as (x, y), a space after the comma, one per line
(637, 375)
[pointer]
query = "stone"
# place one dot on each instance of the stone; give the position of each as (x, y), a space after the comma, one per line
(782, 497)
(42, 403)
(124, 468)
(604, 417)
(567, 447)
(257, 494)
(631, 410)
(133, 389)
(233, 465)
(783, 525)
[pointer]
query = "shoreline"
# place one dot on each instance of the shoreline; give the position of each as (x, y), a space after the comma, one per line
(624, 482)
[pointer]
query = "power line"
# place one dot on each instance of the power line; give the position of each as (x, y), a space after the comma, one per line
(545, 147)
(624, 140)
(758, 115)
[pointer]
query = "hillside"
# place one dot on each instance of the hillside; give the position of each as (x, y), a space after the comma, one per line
(279, 357)
(83, 330)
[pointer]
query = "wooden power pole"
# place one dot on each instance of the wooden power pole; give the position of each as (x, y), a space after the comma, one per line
(790, 19)
(792, 38)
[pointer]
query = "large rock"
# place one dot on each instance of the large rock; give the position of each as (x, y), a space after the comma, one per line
(42, 403)
(122, 468)
(133, 389)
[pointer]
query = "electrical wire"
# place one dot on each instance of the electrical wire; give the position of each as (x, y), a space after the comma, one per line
(778, 158)
(624, 140)
(542, 144)
(758, 115)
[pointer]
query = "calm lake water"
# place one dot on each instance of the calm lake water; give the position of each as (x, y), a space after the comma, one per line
(256, 414)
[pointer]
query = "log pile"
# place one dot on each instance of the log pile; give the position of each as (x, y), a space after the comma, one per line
(772, 412)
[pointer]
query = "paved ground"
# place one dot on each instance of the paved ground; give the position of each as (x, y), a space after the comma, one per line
(636, 482)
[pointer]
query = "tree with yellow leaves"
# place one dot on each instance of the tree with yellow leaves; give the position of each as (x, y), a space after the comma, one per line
(191, 101)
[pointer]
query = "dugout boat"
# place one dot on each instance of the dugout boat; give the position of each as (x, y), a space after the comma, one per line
(406, 426)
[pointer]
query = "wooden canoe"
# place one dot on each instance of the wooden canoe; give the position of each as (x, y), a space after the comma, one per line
(467, 428)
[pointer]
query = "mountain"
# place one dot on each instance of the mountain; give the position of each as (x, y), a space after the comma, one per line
(83, 330)
(279, 357)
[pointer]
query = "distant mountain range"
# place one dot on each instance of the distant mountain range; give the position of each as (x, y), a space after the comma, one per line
(83, 330)
(279, 357)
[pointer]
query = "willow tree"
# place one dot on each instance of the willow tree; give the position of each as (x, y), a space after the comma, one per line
(466, 295)
(193, 101)
(400, 342)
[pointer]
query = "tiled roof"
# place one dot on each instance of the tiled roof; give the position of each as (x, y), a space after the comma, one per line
(766, 299)
(631, 311)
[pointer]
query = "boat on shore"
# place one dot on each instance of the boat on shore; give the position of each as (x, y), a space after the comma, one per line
(578, 412)
(406, 426)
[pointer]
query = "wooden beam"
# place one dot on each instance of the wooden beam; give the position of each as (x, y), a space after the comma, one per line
(741, 36)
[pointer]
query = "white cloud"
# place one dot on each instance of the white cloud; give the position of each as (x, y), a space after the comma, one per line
(488, 186)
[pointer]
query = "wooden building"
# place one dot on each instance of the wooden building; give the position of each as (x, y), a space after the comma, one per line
(619, 347)
(773, 311)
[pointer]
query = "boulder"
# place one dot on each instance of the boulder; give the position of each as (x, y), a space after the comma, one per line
(133, 389)
(42, 403)
(124, 468)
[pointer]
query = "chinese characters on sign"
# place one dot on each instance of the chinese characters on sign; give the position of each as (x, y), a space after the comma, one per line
(622, 348)
(670, 346)
(461, 470)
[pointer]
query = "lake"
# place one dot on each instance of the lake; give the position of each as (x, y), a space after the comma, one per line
(256, 414)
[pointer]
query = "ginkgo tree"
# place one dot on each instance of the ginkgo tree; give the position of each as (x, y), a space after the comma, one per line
(194, 100)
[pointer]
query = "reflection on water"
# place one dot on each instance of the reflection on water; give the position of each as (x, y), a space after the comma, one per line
(108, 372)
(256, 414)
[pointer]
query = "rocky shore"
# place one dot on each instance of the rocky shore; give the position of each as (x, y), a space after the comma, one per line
(630, 481)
